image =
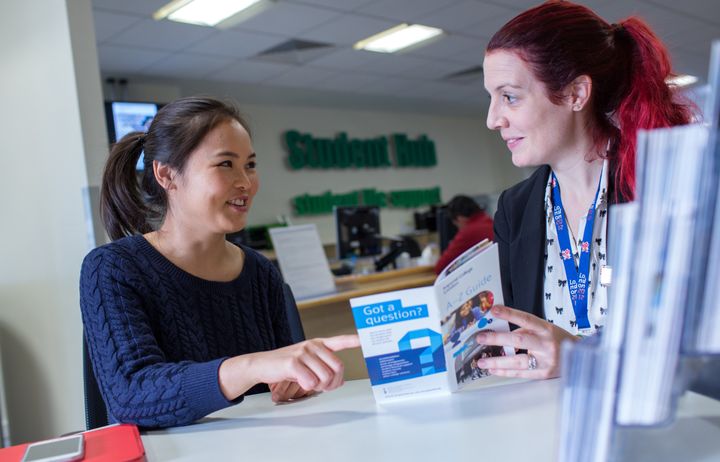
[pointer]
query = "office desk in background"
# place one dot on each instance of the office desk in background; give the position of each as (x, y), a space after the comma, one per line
(358, 285)
(516, 421)
(331, 315)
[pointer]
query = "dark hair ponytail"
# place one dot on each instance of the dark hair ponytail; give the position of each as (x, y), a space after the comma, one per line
(130, 208)
(122, 207)
(627, 63)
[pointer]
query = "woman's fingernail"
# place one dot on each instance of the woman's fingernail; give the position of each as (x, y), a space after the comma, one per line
(480, 338)
(496, 310)
(482, 363)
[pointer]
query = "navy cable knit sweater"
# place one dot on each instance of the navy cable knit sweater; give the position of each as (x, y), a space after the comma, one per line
(157, 334)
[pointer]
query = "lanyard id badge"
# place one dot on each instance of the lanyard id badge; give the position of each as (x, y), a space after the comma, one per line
(577, 276)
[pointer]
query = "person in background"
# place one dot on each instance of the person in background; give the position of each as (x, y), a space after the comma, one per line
(568, 93)
(179, 322)
(473, 226)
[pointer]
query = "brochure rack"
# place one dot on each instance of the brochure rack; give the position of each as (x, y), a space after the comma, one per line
(664, 321)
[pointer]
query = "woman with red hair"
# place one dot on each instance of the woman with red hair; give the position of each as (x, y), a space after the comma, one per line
(568, 93)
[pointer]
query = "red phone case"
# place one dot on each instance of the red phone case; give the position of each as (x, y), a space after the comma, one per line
(114, 443)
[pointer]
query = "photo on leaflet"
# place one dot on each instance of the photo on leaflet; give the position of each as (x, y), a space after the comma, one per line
(471, 314)
(466, 368)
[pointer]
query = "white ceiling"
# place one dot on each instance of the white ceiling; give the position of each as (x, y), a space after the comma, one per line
(132, 45)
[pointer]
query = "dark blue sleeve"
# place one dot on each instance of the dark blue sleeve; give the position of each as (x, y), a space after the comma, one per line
(137, 383)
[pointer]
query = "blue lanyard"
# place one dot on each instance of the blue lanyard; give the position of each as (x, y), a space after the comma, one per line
(577, 277)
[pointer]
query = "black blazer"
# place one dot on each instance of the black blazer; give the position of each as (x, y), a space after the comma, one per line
(520, 233)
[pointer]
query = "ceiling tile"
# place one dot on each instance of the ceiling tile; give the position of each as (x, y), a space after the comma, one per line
(457, 48)
(109, 24)
(126, 59)
(491, 22)
(437, 69)
(608, 8)
(704, 10)
(236, 43)
(459, 16)
(520, 5)
(689, 63)
(391, 64)
(371, 62)
(347, 29)
(187, 66)
(130, 42)
(295, 53)
(288, 19)
(344, 59)
(680, 27)
(698, 40)
(302, 76)
(665, 24)
(162, 35)
(350, 81)
(137, 7)
(340, 5)
(391, 85)
(404, 10)
(249, 71)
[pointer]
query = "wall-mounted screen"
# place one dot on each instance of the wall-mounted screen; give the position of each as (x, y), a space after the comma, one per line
(124, 117)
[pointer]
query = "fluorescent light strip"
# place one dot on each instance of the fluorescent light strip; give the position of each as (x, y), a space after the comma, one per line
(202, 12)
(682, 80)
(398, 38)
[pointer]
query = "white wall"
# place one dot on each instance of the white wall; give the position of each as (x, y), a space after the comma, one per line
(471, 159)
(47, 128)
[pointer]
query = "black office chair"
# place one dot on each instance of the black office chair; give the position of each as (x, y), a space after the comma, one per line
(296, 329)
(95, 410)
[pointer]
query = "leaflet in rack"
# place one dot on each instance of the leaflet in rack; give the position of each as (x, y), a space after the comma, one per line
(664, 308)
(423, 341)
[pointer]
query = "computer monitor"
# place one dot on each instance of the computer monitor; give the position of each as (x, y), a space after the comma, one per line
(357, 231)
(446, 229)
(124, 117)
(426, 220)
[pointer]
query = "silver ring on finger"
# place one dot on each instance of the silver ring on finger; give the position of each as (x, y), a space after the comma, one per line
(532, 362)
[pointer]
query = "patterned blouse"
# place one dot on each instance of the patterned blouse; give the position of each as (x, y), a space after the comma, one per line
(558, 306)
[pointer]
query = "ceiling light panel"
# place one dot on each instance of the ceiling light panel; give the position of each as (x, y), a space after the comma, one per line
(399, 38)
(203, 12)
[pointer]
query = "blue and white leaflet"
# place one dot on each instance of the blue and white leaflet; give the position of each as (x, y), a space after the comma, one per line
(422, 341)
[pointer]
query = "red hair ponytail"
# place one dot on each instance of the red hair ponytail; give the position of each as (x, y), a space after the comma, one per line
(648, 103)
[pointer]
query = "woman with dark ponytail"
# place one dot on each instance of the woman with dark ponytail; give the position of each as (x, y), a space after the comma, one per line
(568, 93)
(179, 322)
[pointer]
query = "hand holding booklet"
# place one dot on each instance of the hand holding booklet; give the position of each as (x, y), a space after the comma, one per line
(422, 341)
